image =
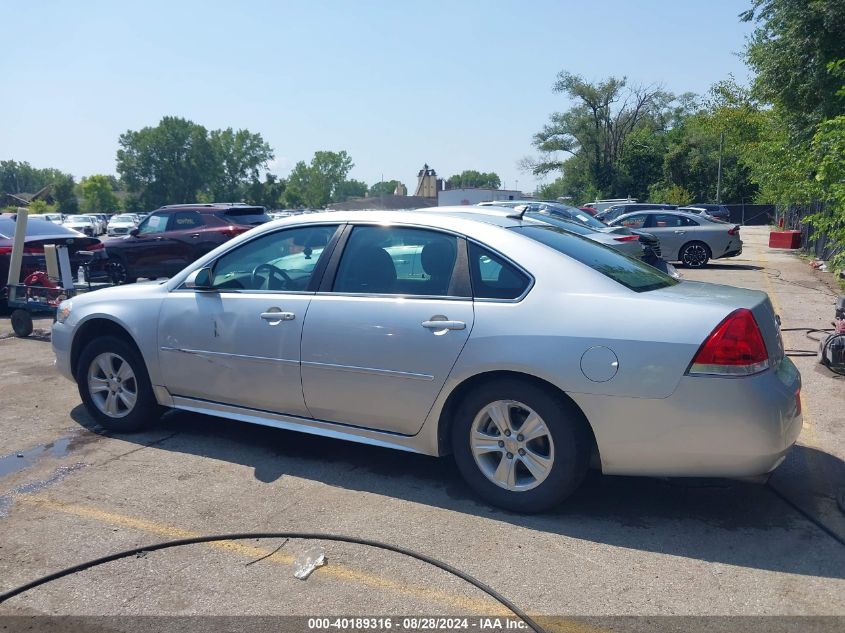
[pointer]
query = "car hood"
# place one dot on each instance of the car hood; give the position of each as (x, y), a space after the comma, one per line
(120, 293)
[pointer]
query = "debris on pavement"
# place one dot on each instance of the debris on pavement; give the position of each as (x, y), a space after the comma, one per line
(308, 561)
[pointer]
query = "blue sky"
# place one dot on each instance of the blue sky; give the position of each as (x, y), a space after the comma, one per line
(456, 84)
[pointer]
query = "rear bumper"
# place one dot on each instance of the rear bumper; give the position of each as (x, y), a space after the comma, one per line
(709, 427)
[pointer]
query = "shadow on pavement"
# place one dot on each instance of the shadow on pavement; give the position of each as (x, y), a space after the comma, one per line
(681, 517)
(720, 266)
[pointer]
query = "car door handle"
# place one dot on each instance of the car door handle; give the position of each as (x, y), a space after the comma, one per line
(277, 316)
(195, 234)
(680, 232)
(443, 325)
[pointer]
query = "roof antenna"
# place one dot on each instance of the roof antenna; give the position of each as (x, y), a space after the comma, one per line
(519, 211)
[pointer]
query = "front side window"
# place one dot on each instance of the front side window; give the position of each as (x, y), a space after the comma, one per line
(397, 260)
(155, 223)
(279, 261)
(631, 273)
(634, 221)
(493, 277)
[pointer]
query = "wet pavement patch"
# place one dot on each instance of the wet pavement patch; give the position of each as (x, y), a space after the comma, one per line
(62, 447)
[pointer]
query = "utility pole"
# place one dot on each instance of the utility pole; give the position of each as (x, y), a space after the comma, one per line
(719, 176)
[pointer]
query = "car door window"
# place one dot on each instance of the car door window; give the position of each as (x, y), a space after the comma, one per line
(279, 261)
(636, 221)
(155, 223)
(688, 221)
(493, 277)
(665, 221)
(397, 260)
(185, 220)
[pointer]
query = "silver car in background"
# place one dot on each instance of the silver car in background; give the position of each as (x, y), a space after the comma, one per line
(688, 238)
(526, 351)
(121, 224)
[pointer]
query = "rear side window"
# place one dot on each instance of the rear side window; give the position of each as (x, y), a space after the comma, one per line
(629, 272)
(250, 216)
(183, 220)
(494, 277)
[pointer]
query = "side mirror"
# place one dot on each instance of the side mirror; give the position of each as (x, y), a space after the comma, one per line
(200, 279)
(134, 232)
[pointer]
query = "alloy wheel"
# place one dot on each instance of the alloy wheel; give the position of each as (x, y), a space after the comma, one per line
(695, 255)
(512, 445)
(112, 385)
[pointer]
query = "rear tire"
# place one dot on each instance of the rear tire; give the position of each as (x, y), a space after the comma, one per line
(21, 323)
(119, 272)
(114, 385)
(529, 472)
(695, 255)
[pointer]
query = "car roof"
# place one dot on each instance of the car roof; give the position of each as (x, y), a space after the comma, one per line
(209, 207)
(692, 216)
(435, 217)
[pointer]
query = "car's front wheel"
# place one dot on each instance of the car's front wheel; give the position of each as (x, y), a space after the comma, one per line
(695, 254)
(520, 447)
(114, 385)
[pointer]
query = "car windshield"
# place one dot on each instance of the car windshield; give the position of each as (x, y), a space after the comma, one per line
(629, 272)
(573, 214)
(7, 229)
(123, 218)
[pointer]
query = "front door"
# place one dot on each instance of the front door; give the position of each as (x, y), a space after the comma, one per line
(379, 345)
(148, 250)
(239, 343)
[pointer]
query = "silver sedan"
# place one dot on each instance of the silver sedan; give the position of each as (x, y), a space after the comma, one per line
(526, 351)
(688, 238)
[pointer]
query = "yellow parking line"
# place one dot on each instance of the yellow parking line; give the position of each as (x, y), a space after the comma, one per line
(809, 425)
(460, 603)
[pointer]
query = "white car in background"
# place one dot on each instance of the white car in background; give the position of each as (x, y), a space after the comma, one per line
(83, 223)
(121, 224)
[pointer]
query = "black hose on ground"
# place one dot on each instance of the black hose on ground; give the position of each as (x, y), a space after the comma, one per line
(276, 535)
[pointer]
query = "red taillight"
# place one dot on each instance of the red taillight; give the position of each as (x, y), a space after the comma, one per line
(627, 238)
(5, 250)
(734, 230)
(96, 246)
(28, 250)
(798, 401)
(734, 348)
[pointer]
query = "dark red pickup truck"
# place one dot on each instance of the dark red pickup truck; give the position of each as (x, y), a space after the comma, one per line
(172, 237)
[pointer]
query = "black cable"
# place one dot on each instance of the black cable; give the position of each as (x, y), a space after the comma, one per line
(276, 535)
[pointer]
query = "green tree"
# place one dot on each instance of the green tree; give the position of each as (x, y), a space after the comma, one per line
(471, 178)
(594, 131)
(791, 50)
(239, 158)
(349, 189)
(383, 188)
(167, 164)
(270, 193)
(64, 193)
(315, 185)
(98, 194)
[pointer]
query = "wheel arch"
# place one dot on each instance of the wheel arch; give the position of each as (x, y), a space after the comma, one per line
(95, 328)
(453, 401)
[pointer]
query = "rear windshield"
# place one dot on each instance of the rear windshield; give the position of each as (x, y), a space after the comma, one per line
(245, 215)
(36, 227)
(631, 273)
(548, 218)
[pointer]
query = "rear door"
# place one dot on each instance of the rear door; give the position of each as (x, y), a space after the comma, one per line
(672, 230)
(386, 329)
(188, 240)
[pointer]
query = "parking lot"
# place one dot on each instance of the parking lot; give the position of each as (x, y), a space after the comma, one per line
(70, 492)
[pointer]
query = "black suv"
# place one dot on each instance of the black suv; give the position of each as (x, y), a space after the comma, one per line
(613, 212)
(170, 238)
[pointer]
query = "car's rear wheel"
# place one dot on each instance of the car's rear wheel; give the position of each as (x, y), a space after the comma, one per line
(519, 446)
(695, 254)
(119, 272)
(114, 385)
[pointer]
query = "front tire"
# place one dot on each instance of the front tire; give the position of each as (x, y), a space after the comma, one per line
(695, 255)
(115, 386)
(520, 447)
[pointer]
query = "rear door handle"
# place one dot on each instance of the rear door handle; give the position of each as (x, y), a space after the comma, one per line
(195, 234)
(276, 316)
(680, 232)
(444, 325)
